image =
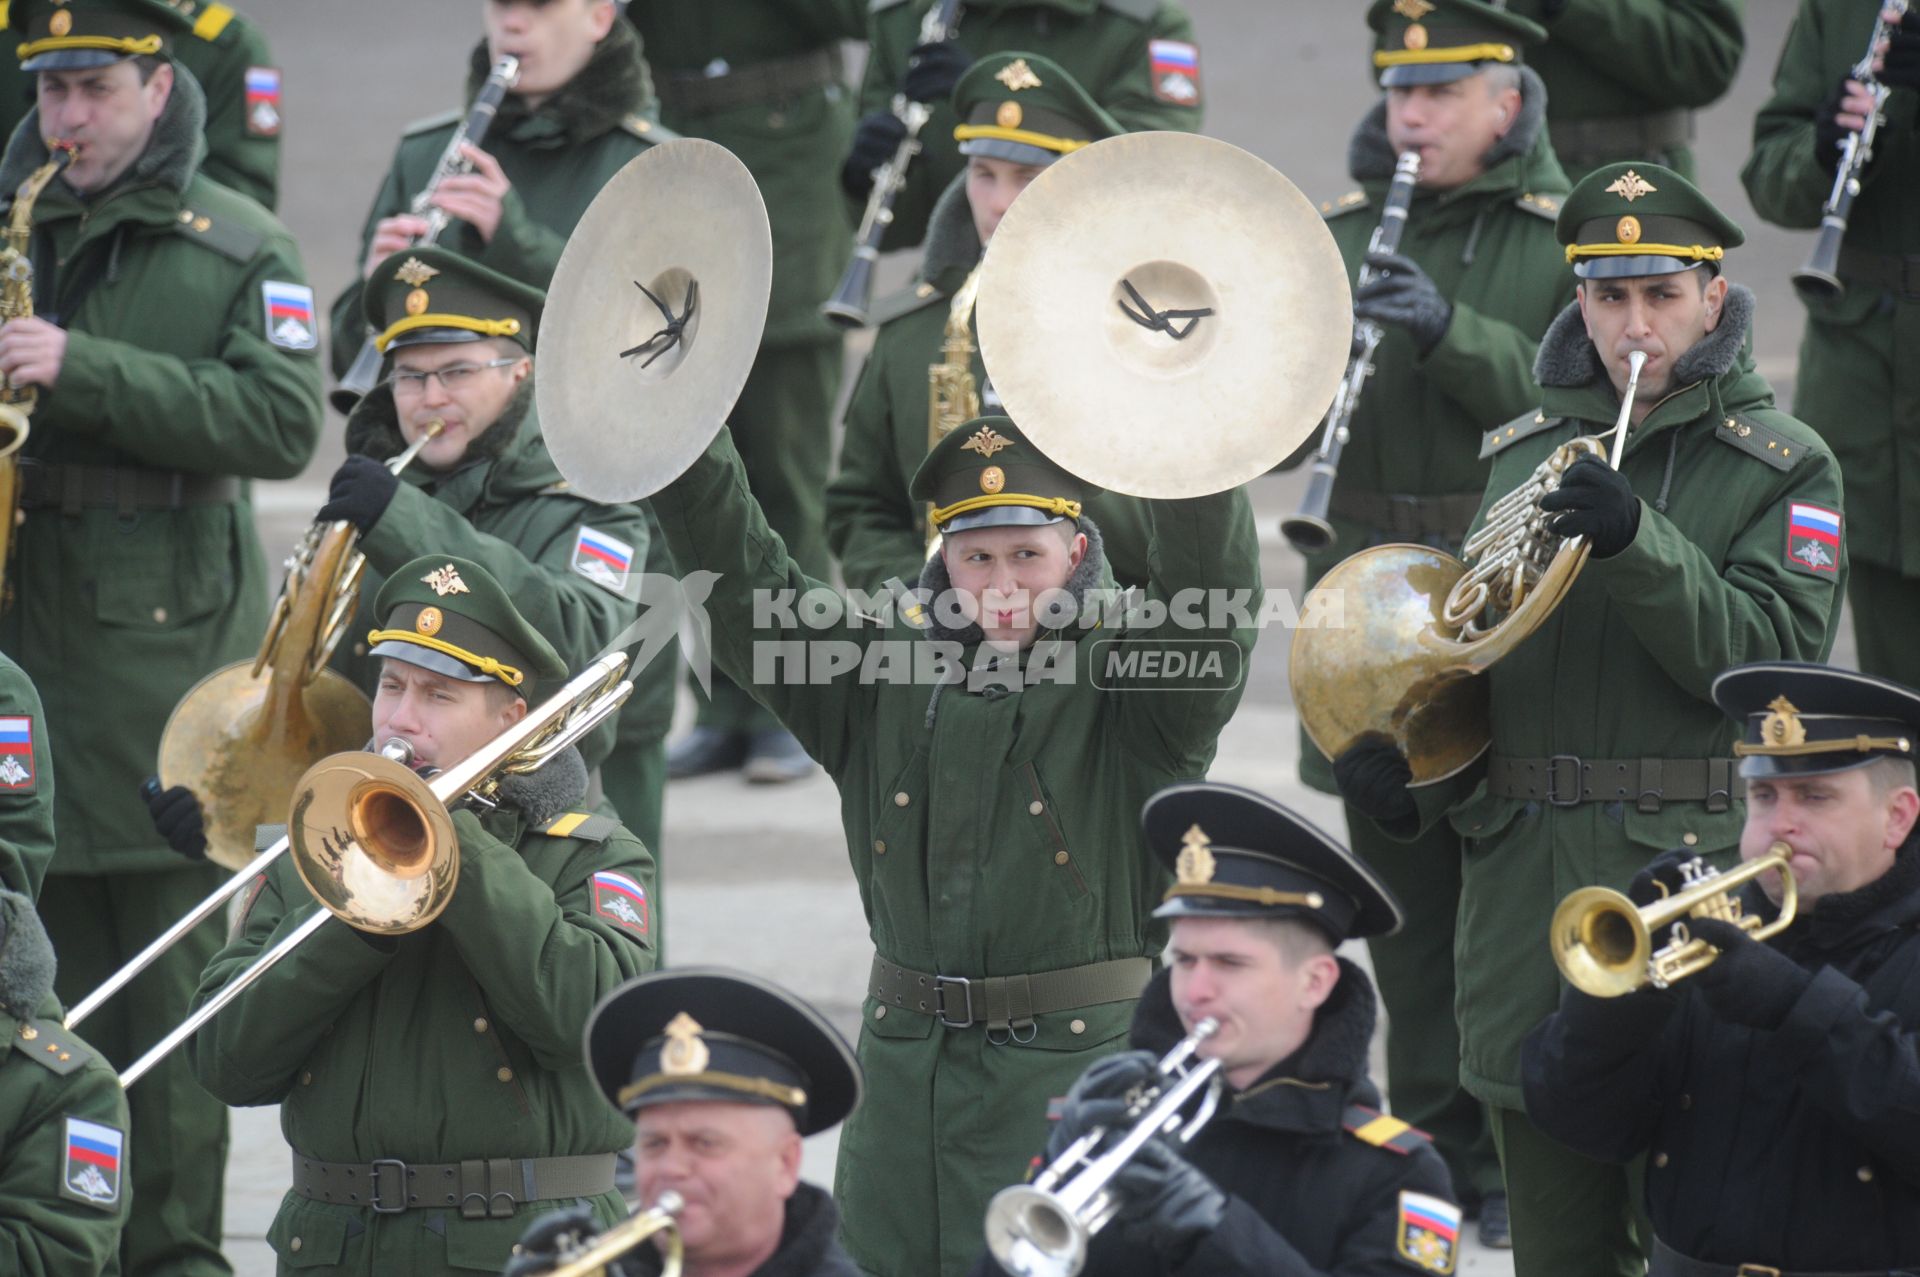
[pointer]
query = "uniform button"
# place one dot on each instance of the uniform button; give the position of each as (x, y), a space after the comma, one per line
(1035, 807)
(28, 1032)
(879, 847)
(306, 1079)
(505, 1075)
(1659, 1159)
(480, 1024)
(359, 649)
(1078, 1026)
(1686, 1101)
(294, 1244)
(879, 1013)
(1059, 857)
(1866, 1174)
(1692, 840)
(159, 616)
(900, 799)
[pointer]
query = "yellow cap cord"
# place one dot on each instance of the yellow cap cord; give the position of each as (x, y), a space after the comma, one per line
(467, 323)
(485, 664)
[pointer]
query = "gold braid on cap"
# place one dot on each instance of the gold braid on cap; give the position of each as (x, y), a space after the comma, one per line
(1689, 252)
(1459, 53)
(1258, 895)
(485, 664)
(1052, 505)
(1859, 744)
(791, 1096)
(485, 327)
(131, 46)
(1045, 141)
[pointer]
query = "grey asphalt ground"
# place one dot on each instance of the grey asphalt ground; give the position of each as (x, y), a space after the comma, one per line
(756, 877)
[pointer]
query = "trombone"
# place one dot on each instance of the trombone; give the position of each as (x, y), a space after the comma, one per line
(589, 1258)
(375, 843)
(1042, 1229)
(1603, 942)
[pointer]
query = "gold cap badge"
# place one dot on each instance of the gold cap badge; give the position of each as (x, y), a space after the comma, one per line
(416, 272)
(445, 581)
(60, 23)
(1630, 186)
(1017, 75)
(417, 302)
(992, 479)
(1009, 115)
(684, 1052)
(1413, 9)
(1783, 725)
(1416, 37)
(986, 441)
(1628, 230)
(1196, 863)
(429, 621)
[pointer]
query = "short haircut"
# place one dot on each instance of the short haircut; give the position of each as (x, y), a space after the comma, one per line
(1295, 938)
(1887, 774)
(499, 695)
(146, 64)
(1501, 76)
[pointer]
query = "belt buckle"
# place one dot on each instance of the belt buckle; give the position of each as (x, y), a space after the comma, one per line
(1553, 780)
(373, 1186)
(1756, 1270)
(966, 991)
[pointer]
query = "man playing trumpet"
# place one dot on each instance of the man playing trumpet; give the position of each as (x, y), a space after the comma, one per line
(1774, 1089)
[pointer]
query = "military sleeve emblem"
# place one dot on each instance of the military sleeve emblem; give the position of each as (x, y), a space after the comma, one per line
(90, 1169)
(1428, 1235)
(605, 560)
(16, 754)
(620, 900)
(1174, 68)
(1813, 539)
(263, 102)
(290, 324)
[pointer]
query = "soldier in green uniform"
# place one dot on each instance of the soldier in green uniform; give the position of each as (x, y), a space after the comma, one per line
(63, 1162)
(765, 80)
(1019, 112)
(1625, 77)
(26, 783)
(228, 56)
(1137, 58)
(986, 812)
(1717, 540)
(582, 108)
(1858, 383)
(173, 348)
(1462, 305)
(430, 1083)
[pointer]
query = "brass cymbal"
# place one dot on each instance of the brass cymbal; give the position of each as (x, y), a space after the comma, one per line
(1152, 225)
(628, 395)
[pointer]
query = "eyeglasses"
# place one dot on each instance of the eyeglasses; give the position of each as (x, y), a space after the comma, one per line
(452, 377)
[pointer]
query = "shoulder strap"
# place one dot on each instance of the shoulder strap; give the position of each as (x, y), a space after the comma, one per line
(917, 297)
(48, 1043)
(427, 124)
(1371, 1126)
(647, 130)
(1547, 206)
(1341, 205)
(1516, 430)
(1138, 10)
(212, 21)
(582, 825)
(225, 238)
(1757, 439)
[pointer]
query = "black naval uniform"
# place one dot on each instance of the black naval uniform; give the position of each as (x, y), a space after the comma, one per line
(807, 1245)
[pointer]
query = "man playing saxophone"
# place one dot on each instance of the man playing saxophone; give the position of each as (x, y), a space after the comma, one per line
(1717, 539)
(1774, 1089)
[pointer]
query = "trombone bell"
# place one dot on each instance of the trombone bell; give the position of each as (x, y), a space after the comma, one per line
(373, 843)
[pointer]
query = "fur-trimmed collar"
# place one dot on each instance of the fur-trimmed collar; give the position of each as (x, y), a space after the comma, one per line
(807, 1244)
(1088, 575)
(26, 957)
(1892, 900)
(1370, 156)
(556, 788)
(613, 85)
(1567, 358)
(953, 245)
(373, 427)
(171, 158)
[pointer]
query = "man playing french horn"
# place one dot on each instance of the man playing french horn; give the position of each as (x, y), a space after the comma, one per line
(1774, 1088)
(1716, 540)
(430, 1083)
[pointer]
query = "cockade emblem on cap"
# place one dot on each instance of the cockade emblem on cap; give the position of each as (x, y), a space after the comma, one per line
(416, 272)
(60, 23)
(444, 581)
(1412, 9)
(986, 441)
(1009, 115)
(1017, 75)
(1783, 725)
(684, 1052)
(1627, 231)
(429, 621)
(1196, 863)
(1630, 186)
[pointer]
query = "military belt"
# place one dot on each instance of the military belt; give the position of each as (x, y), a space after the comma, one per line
(1892, 272)
(71, 489)
(1409, 517)
(776, 80)
(488, 1188)
(1668, 1262)
(1566, 780)
(1009, 1003)
(1608, 137)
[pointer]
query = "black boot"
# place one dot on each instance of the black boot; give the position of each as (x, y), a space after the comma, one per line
(706, 750)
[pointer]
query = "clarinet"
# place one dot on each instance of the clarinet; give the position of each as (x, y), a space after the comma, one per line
(1819, 279)
(848, 306)
(1309, 531)
(366, 365)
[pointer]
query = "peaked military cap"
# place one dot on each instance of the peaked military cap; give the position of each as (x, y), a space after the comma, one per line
(1439, 41)
(1642, 219)
(77, 35)
(705, 1033)
(1801, 719)
(427, 296)
(985, 474)
(1238, 854)
(450, 616)
(1025, 109)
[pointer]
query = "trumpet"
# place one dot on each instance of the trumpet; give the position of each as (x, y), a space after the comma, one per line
(375, 844)
(589, 1258)
(1310, 531)
(1603, 942)
(1819, 279)
(1042, 1229)
(365, 369)
(853, 296)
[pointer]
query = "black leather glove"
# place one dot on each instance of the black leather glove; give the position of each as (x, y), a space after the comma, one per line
(1372, 776)
(1662, 871)
(1099, 1097)
(176, 817)
(1902, 67)
(538, 1250)
(933, 70)
(875, 139)
(1174, 1202)
(1828, 132)
(1750, 983)
(1595, 502)
(1402, 294)
(359, 492)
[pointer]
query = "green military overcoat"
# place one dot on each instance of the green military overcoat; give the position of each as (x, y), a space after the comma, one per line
(1136, 58)
(26, 783)
(992, 831)
(458, 1041)
(1621, 669)
(171, 363)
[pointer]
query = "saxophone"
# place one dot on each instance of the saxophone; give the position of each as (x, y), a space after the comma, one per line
(16, 302)
(952, 397)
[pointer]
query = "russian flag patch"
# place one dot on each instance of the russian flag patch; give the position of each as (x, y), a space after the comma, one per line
(263, 101)
(620, 899)
(1429, 1233)
(1813, 539)
(290, 324)
(1174, 68)
(90, 1171)
(16, 754)
(602, 559)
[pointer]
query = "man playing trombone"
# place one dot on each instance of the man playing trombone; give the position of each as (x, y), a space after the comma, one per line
(429, 1083)
(1298, 1173)
(1774, 1089)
